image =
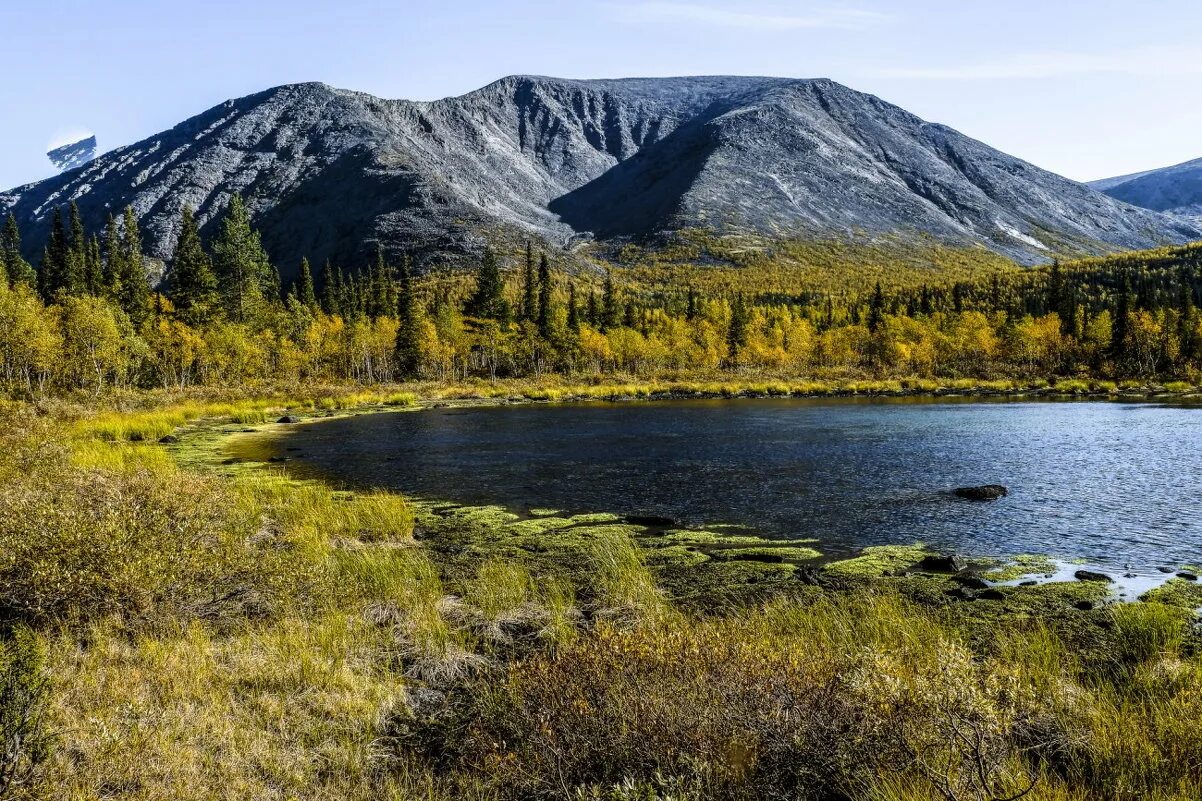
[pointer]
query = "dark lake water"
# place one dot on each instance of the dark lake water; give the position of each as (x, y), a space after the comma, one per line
(1110, 483)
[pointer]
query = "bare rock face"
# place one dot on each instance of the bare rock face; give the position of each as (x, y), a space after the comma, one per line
(74, 155)
(328, 173)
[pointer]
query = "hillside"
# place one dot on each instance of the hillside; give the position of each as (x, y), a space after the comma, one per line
(1175, 190)
(327, 173)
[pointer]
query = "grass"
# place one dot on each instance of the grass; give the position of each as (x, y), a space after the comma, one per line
(215, 632)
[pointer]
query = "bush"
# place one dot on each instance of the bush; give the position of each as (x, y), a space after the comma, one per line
(24, 739)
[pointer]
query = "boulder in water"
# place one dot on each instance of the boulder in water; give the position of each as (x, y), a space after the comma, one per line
(1091, 575)
(941, 563)
(986, 492)
(287, 419)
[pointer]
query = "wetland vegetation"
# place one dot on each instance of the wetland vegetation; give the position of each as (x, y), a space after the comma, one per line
(184, 626)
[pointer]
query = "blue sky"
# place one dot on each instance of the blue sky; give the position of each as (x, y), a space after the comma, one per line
(1088, 89)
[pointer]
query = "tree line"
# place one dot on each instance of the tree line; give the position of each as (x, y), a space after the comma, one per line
(88, 317)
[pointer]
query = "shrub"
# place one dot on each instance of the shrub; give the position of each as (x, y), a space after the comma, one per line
(25, 741)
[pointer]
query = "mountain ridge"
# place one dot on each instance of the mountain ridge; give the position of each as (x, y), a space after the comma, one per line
(329, 172)
(1175, 190)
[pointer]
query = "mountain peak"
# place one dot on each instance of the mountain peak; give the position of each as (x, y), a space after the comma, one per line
(329, 173)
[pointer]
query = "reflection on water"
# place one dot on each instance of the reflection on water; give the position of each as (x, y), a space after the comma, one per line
(1111, 483)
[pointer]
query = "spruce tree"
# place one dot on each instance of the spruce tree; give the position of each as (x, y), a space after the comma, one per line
(16, 268)
(94, 268)
(113, 269)
(573, 309)
(592, 314)
(544, 298)
(876, 309)
(134, 294)
(193, 282)
(736, 333)
(77, 253)
(609, 304)
(488, 301)
(244, 273)
(528, 285)
(331, 289)
(408, 336)
(1121, 322)
(305, 292)
(52, 275)
(690, 312)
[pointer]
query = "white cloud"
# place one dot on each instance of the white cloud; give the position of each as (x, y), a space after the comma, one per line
(1152, 62)
(759, 20)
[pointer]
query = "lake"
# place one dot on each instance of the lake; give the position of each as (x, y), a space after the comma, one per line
(1110, 483)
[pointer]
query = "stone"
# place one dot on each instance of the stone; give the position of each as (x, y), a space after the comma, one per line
(170, 439)
(1187, 575)
(941, 563)
(987, 492)
(650, 521)
(287, 419)
(1092, 575)
(971, 580)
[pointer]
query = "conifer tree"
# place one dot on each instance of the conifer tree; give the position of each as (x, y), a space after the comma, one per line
(77, 253)
(609, 304)
(690, 312)
(113, 268)
(573, 309)
(331, 289)
(94, 268)
(305, 292)
(736, 333)
(488, 301)
(52, 275)
(528, 285)
(16, 268)
(134, 294)
(876, 309)
(544, 298)
(193, 282)
(408, 337)
(1121, 322)
(244, 273)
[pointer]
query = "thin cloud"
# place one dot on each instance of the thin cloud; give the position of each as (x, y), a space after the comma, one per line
(1152, 62)
(721, 17)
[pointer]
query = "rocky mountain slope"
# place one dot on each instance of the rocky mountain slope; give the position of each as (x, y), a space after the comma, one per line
(74, 155)
(1175, 190)
(327, 172)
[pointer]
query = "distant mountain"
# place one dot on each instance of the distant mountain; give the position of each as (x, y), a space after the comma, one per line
(76, 154)
(1175, 190)
(327, 173)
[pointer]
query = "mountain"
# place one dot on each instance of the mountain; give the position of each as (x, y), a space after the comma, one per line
(327, 172)
(76, 154)
(1175, 190)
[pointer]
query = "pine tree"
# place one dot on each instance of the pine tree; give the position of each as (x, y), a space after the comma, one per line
(305, 292)
(609, 304)
(113, 268)
(690, 312)
(16, 268)
(876, 309)
(52, 275)
(573, 309)
(94, 268)
(544, 298)
(1121, 322)
(244, 273)
(331, 290)
(193, 282)
(408, 336)
(1187, 316)
(134, 294)
(736, 333)
(488, 301)
(528, 279)
(77, 253)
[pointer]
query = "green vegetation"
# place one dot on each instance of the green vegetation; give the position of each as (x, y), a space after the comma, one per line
(224, 631)
(704, 309)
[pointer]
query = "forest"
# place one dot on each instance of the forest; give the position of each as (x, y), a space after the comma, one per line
(88, 318)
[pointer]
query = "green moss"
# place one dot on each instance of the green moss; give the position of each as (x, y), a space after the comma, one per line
(597, 517)
(675, 556)
(1176, 592)
(1020, 566)
(878, 560)
(540, 511)
(769, 553)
